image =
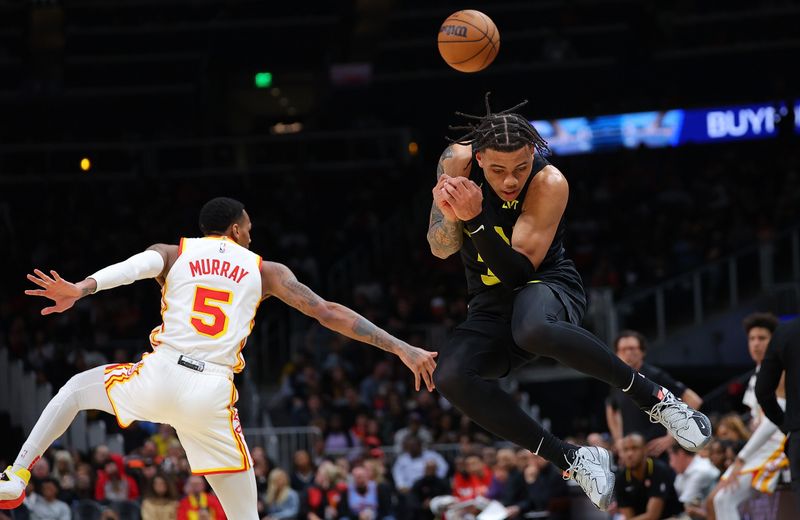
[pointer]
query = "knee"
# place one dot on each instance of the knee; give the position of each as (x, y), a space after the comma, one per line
(450, 381)
(533, 336)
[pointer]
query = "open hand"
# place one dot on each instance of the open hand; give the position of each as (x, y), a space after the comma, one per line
(63, 293)
(464, 196)
(421, 363)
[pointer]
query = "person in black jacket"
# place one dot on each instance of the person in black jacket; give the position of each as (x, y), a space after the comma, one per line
(783, 354)
(424, 490)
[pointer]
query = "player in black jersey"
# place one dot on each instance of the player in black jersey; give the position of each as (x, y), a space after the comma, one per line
(500, 203)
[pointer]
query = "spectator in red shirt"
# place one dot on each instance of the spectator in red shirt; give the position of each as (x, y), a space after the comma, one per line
(198, 504)
(113, 484)
(474, 482)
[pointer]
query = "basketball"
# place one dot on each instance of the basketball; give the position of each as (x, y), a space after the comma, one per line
(468, 40)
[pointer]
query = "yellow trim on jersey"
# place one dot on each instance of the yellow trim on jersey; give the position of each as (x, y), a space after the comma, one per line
(154, 342)
(130, 370)
(237, 439)
(767, 472)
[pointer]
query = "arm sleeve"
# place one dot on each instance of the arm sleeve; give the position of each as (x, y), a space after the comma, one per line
(398, 473)
(763, 432)
(511, 267)
(769, 375)
(147, 264)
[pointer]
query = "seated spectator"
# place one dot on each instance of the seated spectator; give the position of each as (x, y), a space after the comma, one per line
(365, 498)
(424, 489)
(337, 437)
(415, 428)
(43, 505)
(160, 499)
(282, 502)
(732, 428)
(303, 470)
(543, 489)
(474, 481)
(696, 476)
(321, 499)
(113, 484)
(644, 485)
(199, 502)
(717, 454)
(410, 465)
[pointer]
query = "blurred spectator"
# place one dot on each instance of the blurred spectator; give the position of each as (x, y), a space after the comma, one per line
(410, 464)
(302, 470)
(114, 484)
(282, 502)
(320, 500)
(474, 481)
(424, 489)
(696, 476)
(198, 502)
(337, 437)
(717, 454)
(160, 499)
(44, 505)
(623, 415)
(262, 466)
(365, 499)
(644, 484)
(416, 428)
(731, 428)
(543, 489)
(163, 439)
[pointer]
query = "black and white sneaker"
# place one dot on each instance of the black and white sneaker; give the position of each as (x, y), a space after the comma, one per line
(591, 469)
(689, 427)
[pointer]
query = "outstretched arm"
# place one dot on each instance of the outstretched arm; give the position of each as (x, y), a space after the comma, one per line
(281, 282)
(152, 263)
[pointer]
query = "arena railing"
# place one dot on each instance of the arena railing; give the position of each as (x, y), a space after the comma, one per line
(690, 298)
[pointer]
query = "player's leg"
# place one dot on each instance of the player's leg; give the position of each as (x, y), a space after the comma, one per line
(539, 325)
(84, 391)
(727, 500)
(466, 373)
(237, 493)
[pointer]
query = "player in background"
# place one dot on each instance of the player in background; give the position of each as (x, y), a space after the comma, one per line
(500, 203)
(211, 288)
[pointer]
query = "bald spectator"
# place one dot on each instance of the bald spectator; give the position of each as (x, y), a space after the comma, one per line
(644, 485)
(410, 465)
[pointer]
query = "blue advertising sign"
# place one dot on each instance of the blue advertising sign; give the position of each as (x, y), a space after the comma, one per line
(664, 128)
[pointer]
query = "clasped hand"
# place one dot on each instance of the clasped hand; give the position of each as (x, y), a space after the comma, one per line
(458, 198)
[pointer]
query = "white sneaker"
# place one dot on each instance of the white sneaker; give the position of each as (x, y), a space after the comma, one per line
(591, 469)
(12, 487)
(689, 427)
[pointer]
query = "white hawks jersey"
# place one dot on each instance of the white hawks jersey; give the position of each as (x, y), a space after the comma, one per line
(209, 301)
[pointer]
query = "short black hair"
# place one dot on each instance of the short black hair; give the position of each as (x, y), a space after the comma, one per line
(629, 333)
(504, 131)
(766, 320)
(218, 214)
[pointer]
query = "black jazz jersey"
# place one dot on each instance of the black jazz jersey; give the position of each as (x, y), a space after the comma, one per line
(556, 270)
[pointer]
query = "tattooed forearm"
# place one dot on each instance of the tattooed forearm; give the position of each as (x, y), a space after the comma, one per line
(368, 332)
(444, 236)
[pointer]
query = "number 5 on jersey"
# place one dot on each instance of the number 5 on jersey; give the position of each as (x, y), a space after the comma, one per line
(213, 321)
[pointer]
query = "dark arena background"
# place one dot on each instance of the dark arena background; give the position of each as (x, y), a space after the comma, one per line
(675, 124)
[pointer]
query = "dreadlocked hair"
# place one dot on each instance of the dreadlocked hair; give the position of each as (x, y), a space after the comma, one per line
(503, 131)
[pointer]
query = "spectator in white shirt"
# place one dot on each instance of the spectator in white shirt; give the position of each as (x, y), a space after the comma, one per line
(44, 505)
(410, 465)
(695, 478)
(415, 428)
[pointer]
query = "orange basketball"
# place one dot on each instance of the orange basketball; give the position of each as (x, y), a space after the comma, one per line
(468, 40)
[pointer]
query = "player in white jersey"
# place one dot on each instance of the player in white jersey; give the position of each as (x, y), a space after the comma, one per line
(759, 463)
(211, 288)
